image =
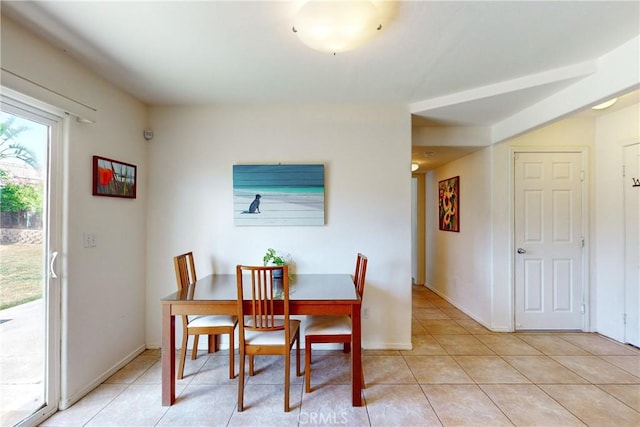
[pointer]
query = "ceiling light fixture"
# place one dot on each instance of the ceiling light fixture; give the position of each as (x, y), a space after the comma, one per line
(604, 105)
(336, 26)
(414, 167)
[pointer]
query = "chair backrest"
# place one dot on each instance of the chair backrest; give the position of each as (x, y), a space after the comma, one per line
(269, 298)
(360, 274)
(185, 270)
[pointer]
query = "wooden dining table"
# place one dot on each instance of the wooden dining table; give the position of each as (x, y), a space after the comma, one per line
(309, 294)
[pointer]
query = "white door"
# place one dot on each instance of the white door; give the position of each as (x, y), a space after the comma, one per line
(548, 241)
(30, 301)
(632, 244)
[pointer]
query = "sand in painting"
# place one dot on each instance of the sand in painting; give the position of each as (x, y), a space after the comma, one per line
(287, 206)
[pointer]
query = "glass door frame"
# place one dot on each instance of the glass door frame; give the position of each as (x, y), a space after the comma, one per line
(52, 242)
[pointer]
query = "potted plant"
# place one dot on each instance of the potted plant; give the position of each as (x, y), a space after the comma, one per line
(272, 258)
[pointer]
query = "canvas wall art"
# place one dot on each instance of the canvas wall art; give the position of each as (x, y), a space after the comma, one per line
(449, 204)
(113, 178)
(282, 194)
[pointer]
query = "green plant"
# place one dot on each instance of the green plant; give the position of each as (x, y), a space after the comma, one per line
(272, 257)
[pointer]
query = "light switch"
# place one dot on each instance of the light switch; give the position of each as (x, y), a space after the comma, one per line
(89, 239)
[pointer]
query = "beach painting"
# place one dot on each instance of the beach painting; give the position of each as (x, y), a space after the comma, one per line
(280, 194)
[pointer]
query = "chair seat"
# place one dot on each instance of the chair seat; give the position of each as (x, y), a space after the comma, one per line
(270, 338)
(328, 325)
(211, 321)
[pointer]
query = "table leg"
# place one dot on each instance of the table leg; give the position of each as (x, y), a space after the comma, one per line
(356, 355)
(168, 356)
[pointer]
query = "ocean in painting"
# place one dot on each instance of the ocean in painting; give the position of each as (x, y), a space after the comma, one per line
(289, 194)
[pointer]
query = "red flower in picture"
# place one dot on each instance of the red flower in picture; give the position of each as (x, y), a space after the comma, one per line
(105, 175)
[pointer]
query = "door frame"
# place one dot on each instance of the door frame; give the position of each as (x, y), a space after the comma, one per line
(17, 104)
(586, 281)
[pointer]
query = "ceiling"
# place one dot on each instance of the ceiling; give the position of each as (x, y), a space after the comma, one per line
(451, 62)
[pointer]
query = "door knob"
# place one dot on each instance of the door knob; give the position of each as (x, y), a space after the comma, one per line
(521, 251)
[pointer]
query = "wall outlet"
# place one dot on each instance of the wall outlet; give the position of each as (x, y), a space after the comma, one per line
(89, 239)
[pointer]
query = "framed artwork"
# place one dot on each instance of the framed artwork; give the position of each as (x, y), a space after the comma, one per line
(113, 178)
(449, 204)
(278, 194)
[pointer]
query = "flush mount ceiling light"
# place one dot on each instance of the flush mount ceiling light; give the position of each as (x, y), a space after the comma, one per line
(336, 26)
(605, 104)
(414, 167)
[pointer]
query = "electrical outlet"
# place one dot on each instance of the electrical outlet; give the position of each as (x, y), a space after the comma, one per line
(89, 239)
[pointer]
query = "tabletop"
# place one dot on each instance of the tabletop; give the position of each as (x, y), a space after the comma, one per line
(302, 287)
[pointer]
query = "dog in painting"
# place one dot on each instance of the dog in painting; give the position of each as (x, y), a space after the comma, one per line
(254, 207)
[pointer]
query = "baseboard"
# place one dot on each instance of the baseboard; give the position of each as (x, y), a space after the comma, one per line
(66, 402)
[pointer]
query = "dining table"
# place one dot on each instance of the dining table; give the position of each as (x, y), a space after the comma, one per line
(309, 294)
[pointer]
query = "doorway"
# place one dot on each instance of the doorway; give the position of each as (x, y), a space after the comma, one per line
(30, 290)
(549, 240)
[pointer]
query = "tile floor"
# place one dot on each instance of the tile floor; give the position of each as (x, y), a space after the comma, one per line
(457, 374)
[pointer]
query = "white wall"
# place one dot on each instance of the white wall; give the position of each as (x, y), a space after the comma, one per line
(366, 153)
(103, 287)
(613, 132)
(458, 265)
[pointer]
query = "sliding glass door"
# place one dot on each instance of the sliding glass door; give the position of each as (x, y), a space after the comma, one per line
(29, 286)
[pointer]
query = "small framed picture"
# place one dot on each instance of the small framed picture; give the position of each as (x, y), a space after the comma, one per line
(113, 178)
(449, 204)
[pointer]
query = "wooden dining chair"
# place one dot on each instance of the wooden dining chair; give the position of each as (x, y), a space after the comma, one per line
(266, 328)
(332, 329)
(201, 325)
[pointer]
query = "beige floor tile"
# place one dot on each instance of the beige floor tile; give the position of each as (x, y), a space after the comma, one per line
(419, 301)
(194, 406)
(527, 405)
(386, 370)
(264, 406)
(84, 410)
(599, 345)
(417, 328)
(270, 370)
(473, 327)
(214, 370)
(331, 406)
(543, 370)
(626, 393)
(441, 303)
(551, 344)
(490, 370)
(630, 364)
(437, 370)
(454, 313)
(596, 370)
(593, 406)
(462, 344)
(130, 372)
(424, 345)
(464, 405)
(137, 405)
(429, 314)
(506, 344)
(330, 367)
(399, 405)
(439, 327)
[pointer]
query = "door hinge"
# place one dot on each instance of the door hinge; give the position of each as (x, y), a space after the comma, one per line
(582, 242)
(515, 156)
(582, 176)
(582, 308)
(624, 318)
(624, 171)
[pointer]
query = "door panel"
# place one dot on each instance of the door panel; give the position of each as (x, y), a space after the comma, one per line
(29, 338)
(632, 243)
(548, 238)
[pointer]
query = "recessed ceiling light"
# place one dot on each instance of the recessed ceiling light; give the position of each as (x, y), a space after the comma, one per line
(604, 105)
